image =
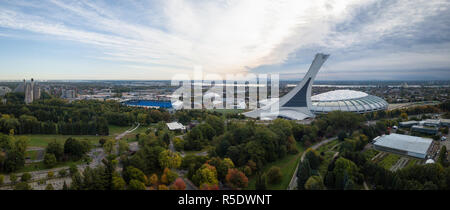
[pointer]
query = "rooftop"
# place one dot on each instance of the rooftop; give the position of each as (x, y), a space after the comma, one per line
(404, 142)
(339, 95)
(176, 126)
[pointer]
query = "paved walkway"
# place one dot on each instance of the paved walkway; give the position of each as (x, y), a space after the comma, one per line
(293, 183)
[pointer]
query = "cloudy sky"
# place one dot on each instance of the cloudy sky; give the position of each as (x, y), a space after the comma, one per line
(155, 39)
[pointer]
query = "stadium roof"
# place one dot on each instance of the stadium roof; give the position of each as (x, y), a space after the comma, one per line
(404, 142)
(339, 95)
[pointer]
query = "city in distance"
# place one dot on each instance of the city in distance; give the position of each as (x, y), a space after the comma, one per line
(224, 95)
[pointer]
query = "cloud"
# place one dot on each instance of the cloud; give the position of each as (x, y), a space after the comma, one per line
(229, 36)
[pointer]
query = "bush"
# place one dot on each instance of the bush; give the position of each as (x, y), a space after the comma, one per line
(274, 175)
(25, 177)
(62, 173)
(49, 160)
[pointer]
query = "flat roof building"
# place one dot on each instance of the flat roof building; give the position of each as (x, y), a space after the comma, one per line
(175, 126)
(404, 145)
(408, 124)
(424, 129)
(445, 122)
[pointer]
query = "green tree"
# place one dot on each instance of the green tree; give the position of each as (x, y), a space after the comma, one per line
(25, 177)
(314, 183)
(118, 183)
(109, 146)
(206, 174)
(49, 187)
(55, 148)
(136, 185)
(168, 159)
(50, 160)
(22, 186)
(274, 175)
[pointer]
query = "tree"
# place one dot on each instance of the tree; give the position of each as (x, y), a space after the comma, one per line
(2, 179)
(123, 147)
(136, 185)
(314, 183)
(50, 174)
(22, 186)
(75, 149)
(118, 183)
(342, 135)
(217, 123)
(49, 160)
(236, 179)
(153, 180)
(404, 116)
(62, 173)
(136, 174)
(179, 184)
(313, 158)
(206, 174)
(168, 159)
(260, 182)
(168, 176)
(13, 178)
(442, 158)
(109, 146)
(303, 174)
(25, 177)
(56, 149)
(162, 187)
(274, 175)
(49, 187)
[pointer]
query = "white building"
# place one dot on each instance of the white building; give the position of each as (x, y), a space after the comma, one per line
(404, 145)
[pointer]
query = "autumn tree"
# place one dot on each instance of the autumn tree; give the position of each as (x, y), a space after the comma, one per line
(236, 179)
(179, 184)
(206, 174)
(168, 159)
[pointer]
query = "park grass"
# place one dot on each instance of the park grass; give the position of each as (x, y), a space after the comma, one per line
(42, 140)
(287, 165)
(389, 161)
(32, 154)
(370, 153)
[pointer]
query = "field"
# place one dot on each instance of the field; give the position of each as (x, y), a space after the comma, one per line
(43, 140)
(287, 165)
(388, 161)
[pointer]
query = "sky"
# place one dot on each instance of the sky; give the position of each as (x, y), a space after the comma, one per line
(157, 39)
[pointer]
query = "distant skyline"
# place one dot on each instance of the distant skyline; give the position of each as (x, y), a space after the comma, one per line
(155, 39)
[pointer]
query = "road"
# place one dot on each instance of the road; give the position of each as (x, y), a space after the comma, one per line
(293, 183)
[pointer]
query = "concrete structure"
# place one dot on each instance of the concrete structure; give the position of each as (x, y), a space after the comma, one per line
(31, 90)
(404, 145)
(424, 129)
(432, 123)
(408, 124)
(175, 126)
(297, 103)
(4, 90)
(347, 100)
(445, 122)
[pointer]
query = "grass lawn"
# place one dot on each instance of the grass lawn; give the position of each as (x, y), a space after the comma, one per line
(43, 140)
(31, 154)
(389, 161)
(287, 165)
(370, 153)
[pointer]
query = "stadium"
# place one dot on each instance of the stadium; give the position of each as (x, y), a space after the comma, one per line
(346, 100)
(298, 104)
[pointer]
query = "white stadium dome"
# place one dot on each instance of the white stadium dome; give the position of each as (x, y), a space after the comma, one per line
(346, 100)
